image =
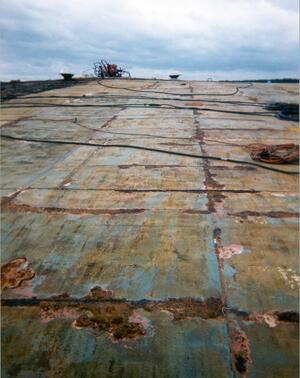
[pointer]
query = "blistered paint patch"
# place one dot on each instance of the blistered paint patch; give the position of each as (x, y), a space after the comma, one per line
(270, 319)
(279, 194)
(290, 277)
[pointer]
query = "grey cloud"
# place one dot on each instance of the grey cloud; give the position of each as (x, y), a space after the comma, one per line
(39, 38)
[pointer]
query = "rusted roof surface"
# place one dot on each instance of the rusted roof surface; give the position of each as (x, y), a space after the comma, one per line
(129, 263)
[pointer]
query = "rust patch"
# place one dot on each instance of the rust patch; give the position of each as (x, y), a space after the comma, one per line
(214, 201)
(255, 99)
(118, 319)
(200, 134)
(15, 272)
(217, 196)
(218, 248)
(152, 85)
(96, 311)
(196, 103)
(239, 348)
(61, 297)
(98, 292)
(185, 308)
(209, 182)
(50, 311)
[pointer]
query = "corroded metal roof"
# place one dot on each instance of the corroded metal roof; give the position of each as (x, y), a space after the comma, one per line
(122, 262)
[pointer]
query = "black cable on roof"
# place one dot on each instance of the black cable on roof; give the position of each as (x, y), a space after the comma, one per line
(66, 142)
(121, 105)
(136, 97)
(177, 94)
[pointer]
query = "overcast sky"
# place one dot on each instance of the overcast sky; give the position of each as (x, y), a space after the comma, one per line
(222, 39)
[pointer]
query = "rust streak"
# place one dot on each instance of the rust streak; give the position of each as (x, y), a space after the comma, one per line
(238, 341)
(119, 318)
(242, 129)
(195, 211)
(10, 197)
(22, 208)
(271, 214)
(234, 167)
(108, 122)
(240, 348)
(287, 316)
(180, 308)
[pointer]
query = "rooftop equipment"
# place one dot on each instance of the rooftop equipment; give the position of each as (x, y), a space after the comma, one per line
(104, 69)
(67, 76)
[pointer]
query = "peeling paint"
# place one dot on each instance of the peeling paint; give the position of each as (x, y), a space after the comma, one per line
(290, 277)
(274, 318)
(269, 318)
(228, 251)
